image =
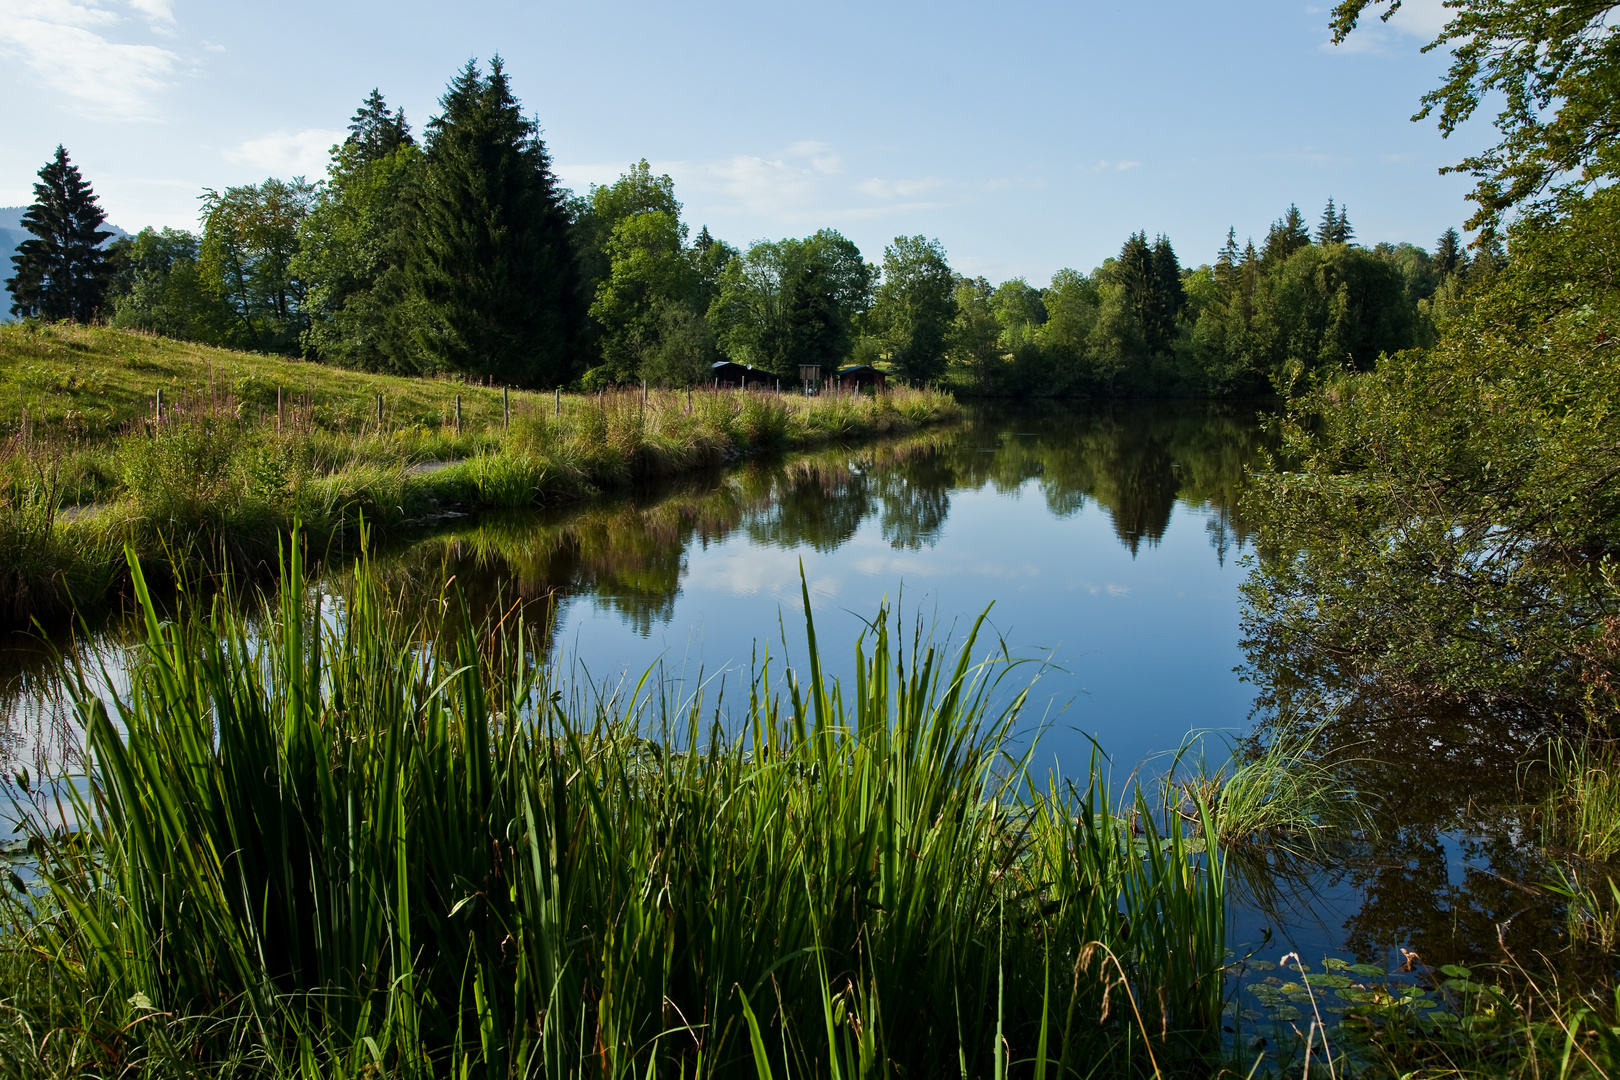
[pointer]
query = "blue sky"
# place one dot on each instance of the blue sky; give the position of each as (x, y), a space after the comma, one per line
(1025, 136)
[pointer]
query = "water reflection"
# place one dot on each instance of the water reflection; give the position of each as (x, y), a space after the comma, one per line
(630, 556)
(1456, 873)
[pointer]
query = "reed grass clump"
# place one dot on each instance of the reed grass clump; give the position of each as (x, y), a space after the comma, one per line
(1279, 795)
(1580, 811)
(322, 840)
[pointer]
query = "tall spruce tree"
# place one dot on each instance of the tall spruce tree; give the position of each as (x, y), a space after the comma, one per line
(374, 133)
(62, 273)
(1449, 256)
(1152, 280)
(1334, 227)
(1286, 236)
(1228, 258)
(490, 282)
(1169, 297)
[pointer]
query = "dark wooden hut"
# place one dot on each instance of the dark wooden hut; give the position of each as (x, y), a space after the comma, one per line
(860, 376)
(727, 373)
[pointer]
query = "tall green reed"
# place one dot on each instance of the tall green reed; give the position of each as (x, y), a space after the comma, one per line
(323, 839)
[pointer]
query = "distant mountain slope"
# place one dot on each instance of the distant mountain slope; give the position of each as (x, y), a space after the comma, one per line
(12, 234)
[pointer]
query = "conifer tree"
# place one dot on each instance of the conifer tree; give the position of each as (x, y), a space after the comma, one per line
(1334, 227)
(1286, 236)
(1449, 256)
(1169, 298)
(374, 133)
(1226, 261)
(62, 273)
(490, 283)
(1152, 280)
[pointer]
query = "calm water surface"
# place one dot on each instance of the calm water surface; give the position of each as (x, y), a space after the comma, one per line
(1102, 541)
(1099, 541)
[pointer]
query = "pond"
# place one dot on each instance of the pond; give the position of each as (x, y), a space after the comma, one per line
(1102, 542)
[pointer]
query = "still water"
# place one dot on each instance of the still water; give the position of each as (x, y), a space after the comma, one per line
(1101, 544)
(1104, 545)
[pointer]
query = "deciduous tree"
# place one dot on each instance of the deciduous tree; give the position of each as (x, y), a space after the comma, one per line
(914, 307)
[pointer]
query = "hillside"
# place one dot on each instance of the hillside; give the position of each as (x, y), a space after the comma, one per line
(94, 381)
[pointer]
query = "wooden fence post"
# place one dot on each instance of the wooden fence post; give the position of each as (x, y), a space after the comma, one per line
(506, 410)
(458, 416)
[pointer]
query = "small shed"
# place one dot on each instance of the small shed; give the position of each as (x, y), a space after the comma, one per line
(727, 373)
(810, 376)
(859, 376)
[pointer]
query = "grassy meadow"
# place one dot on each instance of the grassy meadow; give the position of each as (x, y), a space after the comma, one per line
(245, 445)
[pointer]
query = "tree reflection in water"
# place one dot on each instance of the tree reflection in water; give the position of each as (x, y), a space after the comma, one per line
(1136, 461)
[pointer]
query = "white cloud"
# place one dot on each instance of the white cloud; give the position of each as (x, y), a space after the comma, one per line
(1115, 166)
(775, 189)
(798, 184)
(58, 41)
(299, 153)
(898, 189)
(156, 10)
(822, 158)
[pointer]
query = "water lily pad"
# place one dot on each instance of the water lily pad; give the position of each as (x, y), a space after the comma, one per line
(1287, 1012)
(1338, 982)
(1456, 971)
(1333, 963)
(1367, 970)
(1262, 965)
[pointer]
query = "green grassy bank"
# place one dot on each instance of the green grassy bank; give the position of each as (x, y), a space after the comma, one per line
(224, 470)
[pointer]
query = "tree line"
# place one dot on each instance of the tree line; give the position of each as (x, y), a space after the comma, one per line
(460, 253)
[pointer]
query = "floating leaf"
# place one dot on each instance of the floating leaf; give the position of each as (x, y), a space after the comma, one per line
(1368, 970)
(1287, 1012)
(1456, 971)
(1333, 963)
(1338, 982)
(1261, 965)
(1252, 1014)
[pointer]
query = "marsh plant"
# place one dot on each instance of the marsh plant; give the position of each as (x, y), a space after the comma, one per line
(326, 840)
